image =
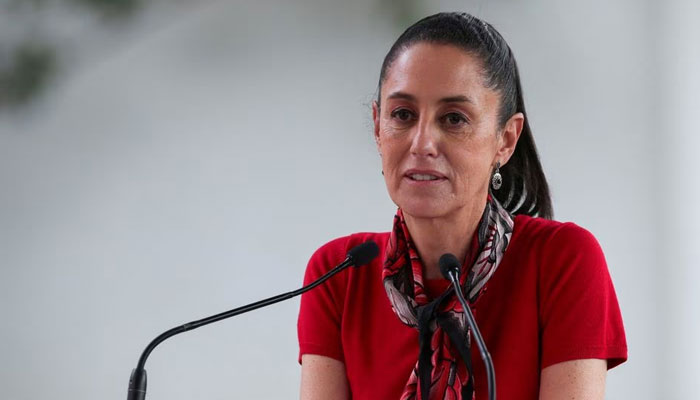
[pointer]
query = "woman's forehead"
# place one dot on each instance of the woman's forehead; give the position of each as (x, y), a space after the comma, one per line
(433, 72)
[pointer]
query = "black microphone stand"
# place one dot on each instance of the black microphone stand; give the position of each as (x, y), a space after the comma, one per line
(359, 255)
(452, 274)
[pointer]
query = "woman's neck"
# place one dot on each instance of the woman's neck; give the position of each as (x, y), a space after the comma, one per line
(451, 233)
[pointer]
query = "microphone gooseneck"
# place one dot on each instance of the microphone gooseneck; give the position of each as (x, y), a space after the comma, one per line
(450, 268)
(359, 255)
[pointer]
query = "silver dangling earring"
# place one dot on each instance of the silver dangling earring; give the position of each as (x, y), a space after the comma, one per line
(497, 179)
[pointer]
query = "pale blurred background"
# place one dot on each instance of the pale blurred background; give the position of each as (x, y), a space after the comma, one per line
(161, 161)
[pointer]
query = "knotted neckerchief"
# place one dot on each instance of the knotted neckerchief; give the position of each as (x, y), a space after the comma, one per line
(442, 327)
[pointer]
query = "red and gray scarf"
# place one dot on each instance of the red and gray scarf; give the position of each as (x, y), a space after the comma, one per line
(442, 328)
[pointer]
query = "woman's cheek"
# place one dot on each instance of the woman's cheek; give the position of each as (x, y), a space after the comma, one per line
(391, 131)
(393, 127)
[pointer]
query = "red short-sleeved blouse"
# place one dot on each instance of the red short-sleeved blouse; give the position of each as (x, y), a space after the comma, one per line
(550, 300)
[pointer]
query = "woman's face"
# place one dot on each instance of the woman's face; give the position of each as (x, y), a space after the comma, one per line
(437, 131)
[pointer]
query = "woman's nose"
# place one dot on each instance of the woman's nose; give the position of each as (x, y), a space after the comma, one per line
(424, 140)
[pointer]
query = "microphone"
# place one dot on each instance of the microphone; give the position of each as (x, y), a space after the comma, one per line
(450, 268)
(359, 255)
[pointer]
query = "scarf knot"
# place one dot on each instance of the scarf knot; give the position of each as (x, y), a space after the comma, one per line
(444, 368)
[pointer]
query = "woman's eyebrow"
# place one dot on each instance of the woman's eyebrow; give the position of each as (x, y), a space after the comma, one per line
(402, 95)
(456, 99)
(450, 99)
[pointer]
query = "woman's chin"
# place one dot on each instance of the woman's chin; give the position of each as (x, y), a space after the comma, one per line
(423, 209)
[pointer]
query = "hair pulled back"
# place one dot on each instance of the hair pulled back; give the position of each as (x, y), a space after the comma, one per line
(524, 189)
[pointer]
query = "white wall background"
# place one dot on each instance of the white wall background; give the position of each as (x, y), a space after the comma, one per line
(205, 151)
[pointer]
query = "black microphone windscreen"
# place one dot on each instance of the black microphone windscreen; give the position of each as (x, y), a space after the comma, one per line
(448, 262)
(363, 253)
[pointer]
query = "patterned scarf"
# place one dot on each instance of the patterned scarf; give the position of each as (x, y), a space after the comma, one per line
(442, 327)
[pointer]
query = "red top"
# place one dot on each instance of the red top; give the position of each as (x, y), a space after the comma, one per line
(550, 300)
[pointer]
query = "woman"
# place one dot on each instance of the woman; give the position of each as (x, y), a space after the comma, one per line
(460, 163)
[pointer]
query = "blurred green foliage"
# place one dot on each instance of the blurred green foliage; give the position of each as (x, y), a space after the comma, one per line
(26, 74)
(112, 8)
(404, 13)
(31, 64)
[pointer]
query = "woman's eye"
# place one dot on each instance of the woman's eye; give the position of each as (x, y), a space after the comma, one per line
(402, 115)
(455, 119)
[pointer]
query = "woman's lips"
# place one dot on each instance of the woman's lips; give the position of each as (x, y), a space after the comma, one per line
(424, 176)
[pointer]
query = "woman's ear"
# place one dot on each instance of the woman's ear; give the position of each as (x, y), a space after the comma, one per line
(375, 119)
(510, 136)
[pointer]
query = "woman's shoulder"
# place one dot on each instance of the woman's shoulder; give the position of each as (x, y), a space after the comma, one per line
(334, 251)
(578, 313)
(342, 244)
(554, 245)
(551, 233)
(558, 249)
